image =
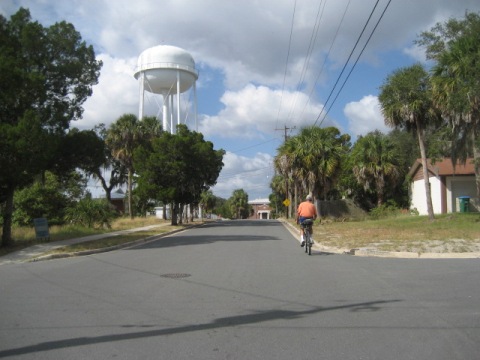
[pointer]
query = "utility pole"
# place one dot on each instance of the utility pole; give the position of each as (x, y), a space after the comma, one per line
(289, 206)
(285, 129)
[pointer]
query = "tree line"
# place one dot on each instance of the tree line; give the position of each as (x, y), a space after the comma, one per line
(46, 74)
(439, 107)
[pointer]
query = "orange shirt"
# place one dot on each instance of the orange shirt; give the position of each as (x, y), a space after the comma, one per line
(307, 209)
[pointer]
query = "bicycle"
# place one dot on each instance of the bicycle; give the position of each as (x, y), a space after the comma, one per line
(307, 235)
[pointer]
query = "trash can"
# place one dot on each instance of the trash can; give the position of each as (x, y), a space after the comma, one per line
(464, 203)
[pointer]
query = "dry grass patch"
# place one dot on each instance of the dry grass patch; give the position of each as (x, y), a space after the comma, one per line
(447, 233)
(25, 236)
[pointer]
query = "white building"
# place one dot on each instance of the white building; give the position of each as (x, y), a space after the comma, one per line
(447, 186)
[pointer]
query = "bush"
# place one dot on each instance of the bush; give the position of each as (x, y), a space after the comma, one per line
(90, 212)
(384, 211)
(39, 201)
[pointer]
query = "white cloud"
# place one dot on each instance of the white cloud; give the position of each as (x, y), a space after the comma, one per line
(254, 111)
(365, 116)
(116, 93)
(417, 53)
(253, 175)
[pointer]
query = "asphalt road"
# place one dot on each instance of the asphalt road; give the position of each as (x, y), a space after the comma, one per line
(239, 290)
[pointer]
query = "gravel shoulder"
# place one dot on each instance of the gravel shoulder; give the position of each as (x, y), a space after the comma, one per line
(432, 249)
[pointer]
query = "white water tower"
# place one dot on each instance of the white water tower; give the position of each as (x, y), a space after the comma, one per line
(167, 71)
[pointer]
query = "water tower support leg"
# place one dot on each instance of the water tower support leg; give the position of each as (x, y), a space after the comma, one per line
(165, 112)
(173, 128)
(195, 104)
(178, 97)
(142, 92)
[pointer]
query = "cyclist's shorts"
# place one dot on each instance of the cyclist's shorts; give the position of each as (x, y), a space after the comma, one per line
(301, 219)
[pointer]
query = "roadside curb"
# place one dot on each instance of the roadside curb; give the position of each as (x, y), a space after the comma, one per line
(371, 252)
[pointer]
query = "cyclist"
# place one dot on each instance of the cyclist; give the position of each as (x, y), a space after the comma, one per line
(306, 210)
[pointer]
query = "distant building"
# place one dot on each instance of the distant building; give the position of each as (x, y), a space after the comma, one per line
(159, 212)
(260, 209)
(447, 186)
(117, 199)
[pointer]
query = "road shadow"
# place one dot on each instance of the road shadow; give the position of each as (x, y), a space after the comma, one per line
(322, 253)
(183, 240)
(225, 322)
(243, 223)
(179, 240)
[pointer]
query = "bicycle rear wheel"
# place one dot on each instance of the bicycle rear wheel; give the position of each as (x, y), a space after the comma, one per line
(306, 235)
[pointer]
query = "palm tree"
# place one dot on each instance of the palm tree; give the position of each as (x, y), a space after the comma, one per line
(123, 137)
(239, 204)
(375, 162)
(406, 102)
(207, 201)
(284, 163)
(311, 160)
(321, 151)
(278, 195)
(149, 128)
(456, 91)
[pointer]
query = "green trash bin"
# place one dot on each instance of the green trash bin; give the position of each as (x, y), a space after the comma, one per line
(464, 203)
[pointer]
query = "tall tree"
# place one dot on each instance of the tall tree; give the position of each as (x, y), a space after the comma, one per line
(321, 151)
(455, 46)
(239, 204)
(406, 102)
(285, 163)
(124, 136)
(207, 201)
(312, 160)
(177, 168)
(376, 166)
(278, 195)
(104, 162)
(46, 76)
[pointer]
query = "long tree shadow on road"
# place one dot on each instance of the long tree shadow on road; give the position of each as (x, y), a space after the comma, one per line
(225, 322)
(261, 223)
(182, 240)
(199, 240)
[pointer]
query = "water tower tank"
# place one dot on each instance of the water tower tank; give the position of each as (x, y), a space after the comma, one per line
(168, 71)
(164, 67)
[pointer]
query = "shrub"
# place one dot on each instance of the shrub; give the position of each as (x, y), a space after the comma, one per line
(90, 212)
(385, 210)
(39, 201)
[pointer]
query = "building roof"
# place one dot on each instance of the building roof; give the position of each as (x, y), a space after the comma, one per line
(444, 167)
(117, 195)
(259, 202)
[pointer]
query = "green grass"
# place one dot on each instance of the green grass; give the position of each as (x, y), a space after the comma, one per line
(111, 241)
(447, 233)
(25, 237)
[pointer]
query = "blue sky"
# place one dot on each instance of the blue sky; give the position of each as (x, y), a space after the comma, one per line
(260, 72)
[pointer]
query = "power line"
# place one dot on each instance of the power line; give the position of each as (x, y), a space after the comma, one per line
(232, 175)
(311, 46)
(346, 63)
(252, 146)
(356, 61)
(286, 63)
(325, 59)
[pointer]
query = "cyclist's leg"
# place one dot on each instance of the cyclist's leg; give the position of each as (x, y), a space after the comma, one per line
(302, 233)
